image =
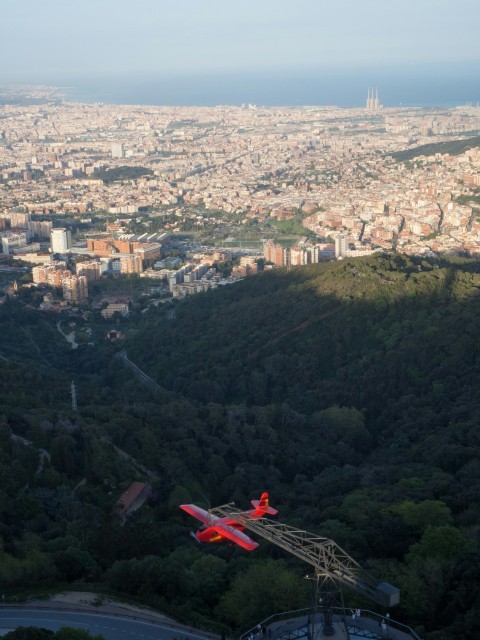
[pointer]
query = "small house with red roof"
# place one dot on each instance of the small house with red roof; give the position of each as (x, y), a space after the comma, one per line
(132, 499)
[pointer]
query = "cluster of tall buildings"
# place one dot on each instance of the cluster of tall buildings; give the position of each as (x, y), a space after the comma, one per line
(135, 253)
(248, 267)
(19, 233)
(282, 256)
(56, 274)
(17, 230)
(125, 254)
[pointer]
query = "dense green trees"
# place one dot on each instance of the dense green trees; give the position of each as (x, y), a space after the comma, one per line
(267, 587)
(452, 147)
(121, 173)
(349, 391)
(30, 633)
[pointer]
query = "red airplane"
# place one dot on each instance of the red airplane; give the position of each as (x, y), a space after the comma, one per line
(216, 529)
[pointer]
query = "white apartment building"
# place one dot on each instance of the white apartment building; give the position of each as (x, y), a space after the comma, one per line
(60, 240)
(12, 239)
(117, 150)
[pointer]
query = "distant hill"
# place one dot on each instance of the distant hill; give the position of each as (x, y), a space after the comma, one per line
(452, 147)
(342, 333)
(28, 337)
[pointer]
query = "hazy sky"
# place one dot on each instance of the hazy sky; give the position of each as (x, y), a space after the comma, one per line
(51, 40)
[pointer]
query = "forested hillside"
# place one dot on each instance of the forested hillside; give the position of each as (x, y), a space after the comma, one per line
(348, 390)
(452, 147)
(343, 334)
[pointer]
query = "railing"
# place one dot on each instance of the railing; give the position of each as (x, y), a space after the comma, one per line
(299, 619)
(392, 624)
(293, 615)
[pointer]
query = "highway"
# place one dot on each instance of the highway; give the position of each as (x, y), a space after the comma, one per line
(111, 627)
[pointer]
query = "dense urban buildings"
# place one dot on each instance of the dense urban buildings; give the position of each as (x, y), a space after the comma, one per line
(161, 192)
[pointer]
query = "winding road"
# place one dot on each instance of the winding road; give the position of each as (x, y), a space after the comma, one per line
(111, 627)
(69, 337)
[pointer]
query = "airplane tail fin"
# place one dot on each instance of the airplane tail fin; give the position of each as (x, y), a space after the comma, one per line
(262, 507)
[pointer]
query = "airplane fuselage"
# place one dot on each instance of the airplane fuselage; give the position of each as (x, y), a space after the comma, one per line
(216, 529)
(210, 534)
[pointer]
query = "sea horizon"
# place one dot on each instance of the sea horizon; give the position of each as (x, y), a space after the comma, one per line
(427, 86)
(423, 87)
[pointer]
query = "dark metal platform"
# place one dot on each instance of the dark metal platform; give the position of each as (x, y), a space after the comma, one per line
(296, 625)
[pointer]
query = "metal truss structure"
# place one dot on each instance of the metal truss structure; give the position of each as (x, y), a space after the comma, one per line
(334, 568)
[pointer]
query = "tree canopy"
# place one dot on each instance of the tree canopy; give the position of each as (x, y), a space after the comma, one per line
(347, 390)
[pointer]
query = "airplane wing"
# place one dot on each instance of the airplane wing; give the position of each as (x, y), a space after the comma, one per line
(235, 536)
(198, 513)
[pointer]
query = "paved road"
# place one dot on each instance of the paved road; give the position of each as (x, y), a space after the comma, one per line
(111, 627)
